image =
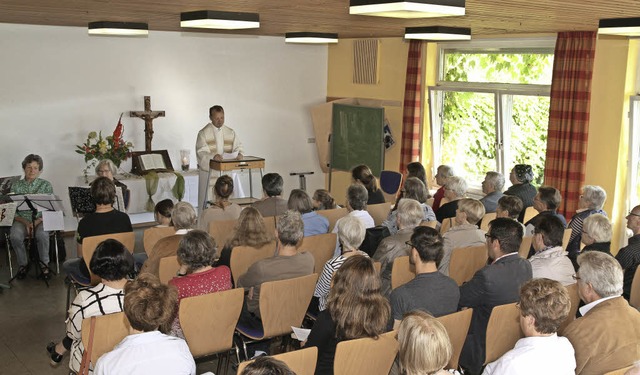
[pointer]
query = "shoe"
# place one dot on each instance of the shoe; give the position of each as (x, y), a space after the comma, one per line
(22, 273)
(46, 275)
(55, 357)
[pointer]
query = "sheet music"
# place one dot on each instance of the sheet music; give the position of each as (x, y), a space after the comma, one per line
(301, 334)
(52, 220)
(7, 214)
(152, 161)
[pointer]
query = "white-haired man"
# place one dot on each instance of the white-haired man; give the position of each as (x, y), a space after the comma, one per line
(492, 188)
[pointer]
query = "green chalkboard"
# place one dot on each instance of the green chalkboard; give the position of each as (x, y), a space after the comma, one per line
(357, 137)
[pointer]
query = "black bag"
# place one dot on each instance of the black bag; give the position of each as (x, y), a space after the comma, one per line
(373, 237)
(62, 250)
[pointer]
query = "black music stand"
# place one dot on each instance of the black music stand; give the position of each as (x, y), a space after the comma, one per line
(7, 214)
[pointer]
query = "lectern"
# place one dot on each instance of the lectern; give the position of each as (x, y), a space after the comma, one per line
(247, 162)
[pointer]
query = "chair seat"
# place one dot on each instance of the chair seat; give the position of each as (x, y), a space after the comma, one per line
(78, 279)
(252, 333)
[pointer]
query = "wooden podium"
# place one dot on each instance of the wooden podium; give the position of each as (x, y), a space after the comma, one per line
(248, 162)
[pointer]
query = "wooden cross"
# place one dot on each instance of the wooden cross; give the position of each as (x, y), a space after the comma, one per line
(148, 116)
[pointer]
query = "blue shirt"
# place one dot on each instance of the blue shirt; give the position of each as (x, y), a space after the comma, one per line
(314, 223)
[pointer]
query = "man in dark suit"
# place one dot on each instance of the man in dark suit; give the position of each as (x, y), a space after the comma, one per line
(497, 283)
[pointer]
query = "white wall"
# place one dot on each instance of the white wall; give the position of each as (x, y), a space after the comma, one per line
(58, 83)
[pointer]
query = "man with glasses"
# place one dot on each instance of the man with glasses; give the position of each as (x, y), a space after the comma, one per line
(629, 256)
(497, 283)
(606, 337)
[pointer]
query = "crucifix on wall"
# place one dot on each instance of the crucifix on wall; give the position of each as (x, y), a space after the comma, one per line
(148, 116)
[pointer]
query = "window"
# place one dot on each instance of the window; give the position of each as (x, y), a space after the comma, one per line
(633, 184)
(490, 107)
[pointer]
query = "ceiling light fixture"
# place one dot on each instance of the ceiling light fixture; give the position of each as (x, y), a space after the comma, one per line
(311, 38)
(118, 28)
(408, 8)
(620, 26)
(211, 19)
(438, 33)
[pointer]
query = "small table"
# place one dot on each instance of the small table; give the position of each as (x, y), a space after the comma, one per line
(248, 162)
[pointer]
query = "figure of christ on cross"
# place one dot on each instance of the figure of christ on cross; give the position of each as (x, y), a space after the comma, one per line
(148, 116)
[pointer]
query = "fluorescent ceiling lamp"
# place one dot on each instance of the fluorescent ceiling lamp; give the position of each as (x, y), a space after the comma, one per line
(118, 28)
(408, 9)
(620, 26)
(210, 19)
(311, 38)
(438, 33)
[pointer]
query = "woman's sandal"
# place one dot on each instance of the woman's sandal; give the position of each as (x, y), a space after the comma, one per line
(55, 357)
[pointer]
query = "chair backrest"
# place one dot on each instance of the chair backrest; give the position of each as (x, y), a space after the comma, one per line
(486, 219)
(529, 214)
(575, 302)
(465, 261)
(525, 246)
(390, 182)
(566, 237)
(209, 320)
(431, 224)
(503, 331)
(222, 231)
(446, 225)
(620, 371)
(242, 257)
(430, 202)
(284, 303)
(379, 212)
(401, 272)
(321, 246)
(333, 215)
(169, 267)
(301, 362)
(270, 223)
(366, 356)
(110, 329)
(457, 325)
(89, 244)
(377, 266)
(152, 235)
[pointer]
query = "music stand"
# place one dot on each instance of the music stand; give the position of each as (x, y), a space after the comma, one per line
(7, 214)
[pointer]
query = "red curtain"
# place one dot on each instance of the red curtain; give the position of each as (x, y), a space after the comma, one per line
(569, 116)
(411, 113)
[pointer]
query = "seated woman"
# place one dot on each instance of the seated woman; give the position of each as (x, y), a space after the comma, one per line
(416, 169)
(596, 234)
(521, 177)
(322, 200)
(454, 189)
(249, 231)
(590, 202)
(413, 189)
(162, 213)
(442, 175)
(112, 262)
(24, 224)
(222, 208)
(196, 276)
(465, 232)
(425, 347)
(150, 307)
(355, 309)
(351, 233)
(314, 223)
(106, 168)
(363, 175)
(267, 366)
(105, 220)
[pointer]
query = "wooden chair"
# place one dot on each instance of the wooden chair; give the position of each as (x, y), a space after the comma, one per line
(431, 224)
(525, 246)
(430, 202)
(401, 272)
(457, 325)
(465, 261)
(222, 231)
(169, 267)
(566, 237)
(242, 257)
(89, 244)
(366, 356)
(575, 302)
(503, 331)
(634, 295)
(301, 362)
(109, 330)
(152, 235)
(379, 212)
(446, 225)
(283, 304)
(486, 219)
(620, 371)
(208, 322)
(321, 246)
(333, 215)
(390, 183)
(377, 266)
(529, 213)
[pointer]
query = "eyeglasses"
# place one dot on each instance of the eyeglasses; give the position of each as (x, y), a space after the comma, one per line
(576, 277)
(488, 236)
(632, 214)
(410, 244)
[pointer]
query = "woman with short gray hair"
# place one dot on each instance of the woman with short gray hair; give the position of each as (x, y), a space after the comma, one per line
(414, 189)
(597, 233)
(454, 189)
(591, 201)
(107, 168)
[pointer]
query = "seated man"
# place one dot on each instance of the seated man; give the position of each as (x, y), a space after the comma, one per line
(629, 256)
(105, 220)
(184, 219)
(544, 305)
(272, 203)
(550, 260)
(287, 264)
(409, 216)
(23, 225)
(498, 283)
(492, 188)
(606, 337)
(430, 290)
(357, 206)
(150, 308)
(546, 202)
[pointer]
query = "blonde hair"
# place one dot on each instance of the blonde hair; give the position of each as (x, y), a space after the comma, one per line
(598, 227)
(425, 347)
(473, 208)
(250, 230)
(410, 213)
